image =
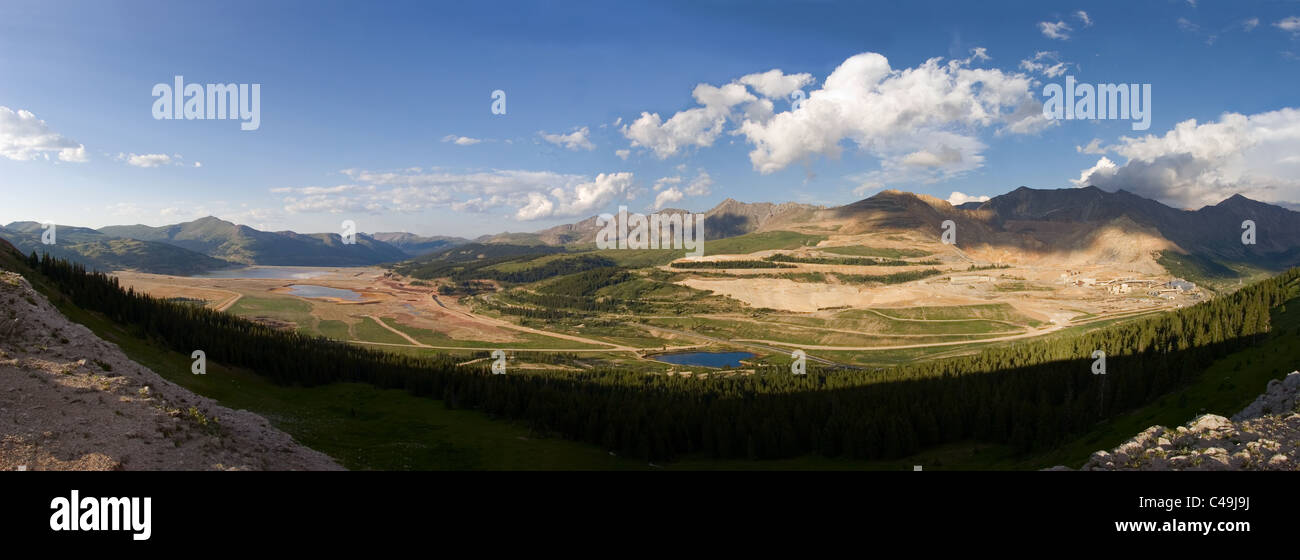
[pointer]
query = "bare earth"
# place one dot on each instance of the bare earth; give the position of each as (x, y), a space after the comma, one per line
(71, 401)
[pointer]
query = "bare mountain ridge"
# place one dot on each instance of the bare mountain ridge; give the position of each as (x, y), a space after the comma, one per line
(1072, 225)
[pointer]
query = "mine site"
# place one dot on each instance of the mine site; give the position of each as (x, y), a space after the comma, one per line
(857, 300)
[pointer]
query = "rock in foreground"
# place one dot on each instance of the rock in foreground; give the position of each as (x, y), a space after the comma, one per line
(1263, 436)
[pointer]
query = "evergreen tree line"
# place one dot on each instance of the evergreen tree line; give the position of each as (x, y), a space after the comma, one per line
(1031, 395)
(521, 270)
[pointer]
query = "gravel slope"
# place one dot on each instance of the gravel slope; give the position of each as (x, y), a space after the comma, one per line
(71, 401)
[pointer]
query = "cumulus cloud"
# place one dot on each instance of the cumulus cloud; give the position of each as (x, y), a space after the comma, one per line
(910, 118)
(668, 196)
(920, 122)
(1055, 30)
(775, 84)
(1195, 164)
(461, 140)
(24, 137)
(530, 195)
(1083, 17)
(958, 198)
(622, 154)
(576, 140)
(1250, 24)
(675, 188)
(696, 127)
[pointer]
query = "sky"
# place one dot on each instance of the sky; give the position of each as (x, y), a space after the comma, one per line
(382, 113)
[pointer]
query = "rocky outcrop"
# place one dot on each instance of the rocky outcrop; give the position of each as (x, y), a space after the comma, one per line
(72, 401)
(1263, 436)
(1280, 397)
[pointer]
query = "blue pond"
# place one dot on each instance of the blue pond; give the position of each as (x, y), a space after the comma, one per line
(706, 359)
(310, 291)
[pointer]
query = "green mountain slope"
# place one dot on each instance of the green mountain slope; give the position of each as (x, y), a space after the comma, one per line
(105, 252)
(242, 244)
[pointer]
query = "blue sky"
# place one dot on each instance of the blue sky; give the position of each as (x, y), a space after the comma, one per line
(361, 106)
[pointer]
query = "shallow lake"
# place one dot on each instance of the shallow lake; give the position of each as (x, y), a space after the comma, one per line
(310, 291)
(706, 359)
(272, 272)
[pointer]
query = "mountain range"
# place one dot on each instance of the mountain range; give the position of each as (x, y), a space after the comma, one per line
(98, 250)
(1088, 223)
(1093, 223)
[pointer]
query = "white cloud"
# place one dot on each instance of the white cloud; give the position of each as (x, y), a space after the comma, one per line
(24, 137)
(1083, 17)
(896, 114)
(576, 140)
(666, 181)
(701, 185)
(775, 84)
(1290, 24)
(1187, 25)
(868, 186)
(622, 154)
(1196, 164)
(958, 198)
(461, 140)
(1047, 63)
(145, 160)
(1103, 169)
(697, 127)
(530, 194)
(1093, 147)
(585, 198)
(670, 188)
(1058, 30)
(154, 160)
(667, 197)
(1250, 24)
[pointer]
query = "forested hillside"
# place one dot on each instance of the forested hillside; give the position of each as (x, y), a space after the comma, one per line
(1030, 395)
